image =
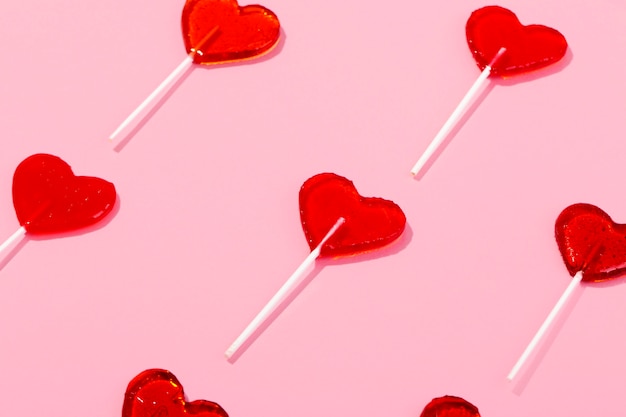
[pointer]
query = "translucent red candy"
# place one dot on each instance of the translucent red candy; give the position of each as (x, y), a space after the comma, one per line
(591, 242)
(157, 393)
(49, 198)
(371, 222)
(527, 47)
(242, 32)
(449, 406)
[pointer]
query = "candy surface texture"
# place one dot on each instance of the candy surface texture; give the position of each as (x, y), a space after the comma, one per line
(371, 222)
(243, 32)
(157, 393)
(589, 240)
(49, 198)
(449, 406)
(527, 47)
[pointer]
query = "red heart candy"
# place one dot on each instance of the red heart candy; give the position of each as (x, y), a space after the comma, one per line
(449, 406)
(370, 222)
(591, 242)
(527, 47)
(242, 32)
(157, 393)
(49, 198)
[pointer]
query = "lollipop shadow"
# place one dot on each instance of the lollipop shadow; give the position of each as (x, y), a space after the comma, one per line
(611, 282)
(540, 73)
(84, 230)
(266, 56)
(396, 247)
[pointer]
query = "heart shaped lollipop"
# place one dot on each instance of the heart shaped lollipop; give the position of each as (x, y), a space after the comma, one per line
(157, 393)
(450, 406)
(528, 48)
(593, 248)
(243, 32)
(337, 221)
(48, 198)
(589, 241)
(371, 222)
(214, 31)
(501, 46)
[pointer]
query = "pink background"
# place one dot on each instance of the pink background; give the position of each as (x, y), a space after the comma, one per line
(208, 224)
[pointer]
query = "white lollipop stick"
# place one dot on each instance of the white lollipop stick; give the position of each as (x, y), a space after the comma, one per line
(546, 325)
(150, 101)
(16, 236)
(21, 232)
(282, 293)
(456, 115)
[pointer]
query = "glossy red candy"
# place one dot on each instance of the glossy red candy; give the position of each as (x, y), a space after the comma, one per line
(370, 223)
(590, 241)
(157, 393)
(527, 47)
(449, 406)
(243, 32)
(49, 198)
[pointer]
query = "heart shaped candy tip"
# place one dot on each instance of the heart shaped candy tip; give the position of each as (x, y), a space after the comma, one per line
(49, 198)
(528, 48)
(450, 406)
(370, 222)
(590, 241)
(157, 392)
(243, 31)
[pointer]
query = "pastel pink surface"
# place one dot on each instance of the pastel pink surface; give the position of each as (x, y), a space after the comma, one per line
(208, 223)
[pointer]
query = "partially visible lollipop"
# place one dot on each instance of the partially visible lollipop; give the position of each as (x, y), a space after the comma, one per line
(49, 199)
(157, 393)
(593, 248)
(214, 32)
(337, 222)
(450, 406)
(502, 47)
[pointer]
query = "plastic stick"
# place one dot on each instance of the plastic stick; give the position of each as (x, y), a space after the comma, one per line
(282, 293)
(456, 115)
(17, 235)
(162, 89)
